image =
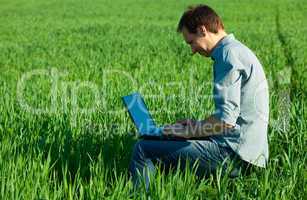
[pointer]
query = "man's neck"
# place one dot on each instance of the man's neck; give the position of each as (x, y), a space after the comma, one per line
(216, 38)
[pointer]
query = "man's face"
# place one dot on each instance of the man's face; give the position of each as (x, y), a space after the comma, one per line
(198, 42)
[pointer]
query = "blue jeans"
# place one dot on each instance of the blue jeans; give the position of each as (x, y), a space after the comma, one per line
(207, 154)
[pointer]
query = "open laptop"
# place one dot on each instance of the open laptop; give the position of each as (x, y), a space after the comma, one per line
(141, 117)
(143, 121)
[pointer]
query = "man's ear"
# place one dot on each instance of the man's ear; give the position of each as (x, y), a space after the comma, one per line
(202, 31)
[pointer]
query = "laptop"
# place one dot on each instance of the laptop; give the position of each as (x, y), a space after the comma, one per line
(141, 117)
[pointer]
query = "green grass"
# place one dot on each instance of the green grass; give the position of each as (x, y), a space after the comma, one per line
(59, 139)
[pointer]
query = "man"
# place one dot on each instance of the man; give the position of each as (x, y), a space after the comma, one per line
(238, 128)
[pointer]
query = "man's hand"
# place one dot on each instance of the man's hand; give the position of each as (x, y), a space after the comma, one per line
(186, 128)
(189, 128)
(187, 122)
(177, 130)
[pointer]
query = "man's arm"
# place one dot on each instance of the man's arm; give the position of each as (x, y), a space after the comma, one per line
(197, 129)
(210, 126)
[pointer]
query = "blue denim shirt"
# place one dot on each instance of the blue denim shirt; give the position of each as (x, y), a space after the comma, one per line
(241, 99)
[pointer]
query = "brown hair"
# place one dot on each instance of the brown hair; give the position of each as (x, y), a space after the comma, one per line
(196, 16)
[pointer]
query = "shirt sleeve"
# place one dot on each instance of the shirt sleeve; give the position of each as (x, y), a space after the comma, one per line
(227, 94)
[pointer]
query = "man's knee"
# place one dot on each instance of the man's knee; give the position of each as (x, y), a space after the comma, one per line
(139, 145)
(138, 148)
(137, 155)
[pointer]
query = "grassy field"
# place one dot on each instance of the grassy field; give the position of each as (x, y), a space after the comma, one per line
(65, 64)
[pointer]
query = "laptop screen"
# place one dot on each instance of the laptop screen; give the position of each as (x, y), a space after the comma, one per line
(140, 115)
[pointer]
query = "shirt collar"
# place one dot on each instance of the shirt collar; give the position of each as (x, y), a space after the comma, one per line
(221, 43)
